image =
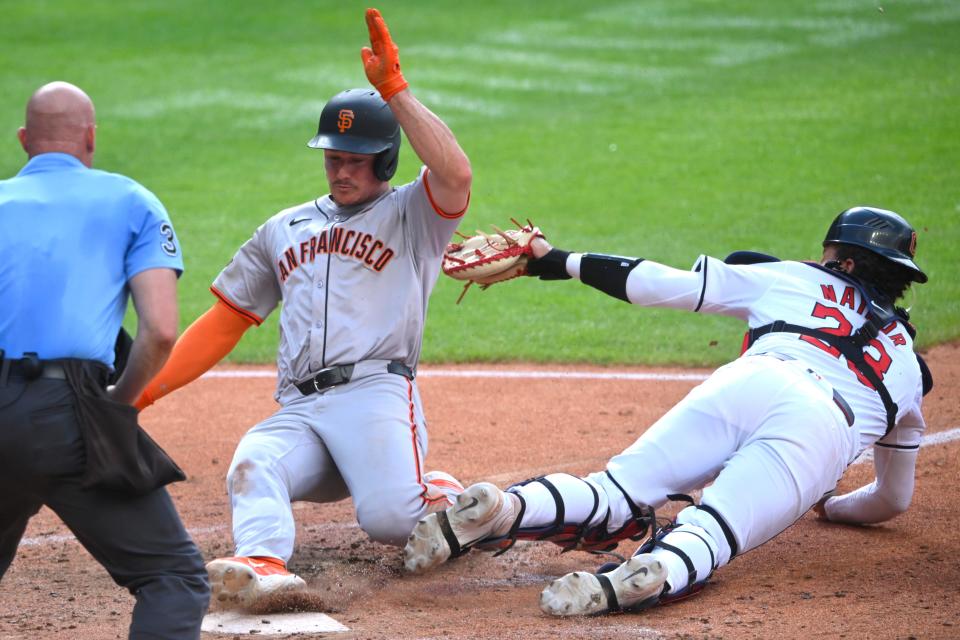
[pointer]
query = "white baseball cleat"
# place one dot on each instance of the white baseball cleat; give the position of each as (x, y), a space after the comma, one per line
(241, 582)
(635, 584)
(482, 511)
(441, 490)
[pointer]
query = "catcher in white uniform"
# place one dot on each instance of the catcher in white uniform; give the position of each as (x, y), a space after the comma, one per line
(354, 270)
(828, 369)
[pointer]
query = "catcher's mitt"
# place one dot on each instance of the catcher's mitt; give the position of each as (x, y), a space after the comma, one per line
(487, 259)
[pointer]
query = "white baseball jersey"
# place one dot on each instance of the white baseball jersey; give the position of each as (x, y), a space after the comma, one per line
(808, 295)
(354, 281)
(763, 436)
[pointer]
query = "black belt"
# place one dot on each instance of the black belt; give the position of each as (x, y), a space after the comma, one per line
(30, 367)
(838, 400)
(844, 408)
(341, 374)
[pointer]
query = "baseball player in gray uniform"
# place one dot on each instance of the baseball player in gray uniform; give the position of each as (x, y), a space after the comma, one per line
(828, 370)
(354, 270)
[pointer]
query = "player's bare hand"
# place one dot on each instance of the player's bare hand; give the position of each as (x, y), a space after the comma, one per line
(540, 247)
(381, 60)
(821, 508)
(116, 396)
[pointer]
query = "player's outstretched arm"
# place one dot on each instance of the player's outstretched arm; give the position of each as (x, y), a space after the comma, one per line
(633, 280)
(450, 172)
(204, 343)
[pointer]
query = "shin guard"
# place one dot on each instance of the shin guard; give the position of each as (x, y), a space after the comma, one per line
(674, 538)
(577, 535)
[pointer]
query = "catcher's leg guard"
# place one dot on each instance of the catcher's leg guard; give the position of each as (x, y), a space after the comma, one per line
(688, 551)
(575, 535)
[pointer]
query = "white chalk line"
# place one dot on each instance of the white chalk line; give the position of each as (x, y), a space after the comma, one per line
(483, 373)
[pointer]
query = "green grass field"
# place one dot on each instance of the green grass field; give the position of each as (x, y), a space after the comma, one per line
(662, 129)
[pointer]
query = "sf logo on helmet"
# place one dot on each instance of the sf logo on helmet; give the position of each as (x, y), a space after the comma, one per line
(345, 119)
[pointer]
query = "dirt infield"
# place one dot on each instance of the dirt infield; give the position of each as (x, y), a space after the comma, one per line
(897, 580)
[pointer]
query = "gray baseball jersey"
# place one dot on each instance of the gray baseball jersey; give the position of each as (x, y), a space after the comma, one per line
(354, 281)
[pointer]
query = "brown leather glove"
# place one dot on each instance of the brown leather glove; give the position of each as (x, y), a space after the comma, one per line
(382, 62)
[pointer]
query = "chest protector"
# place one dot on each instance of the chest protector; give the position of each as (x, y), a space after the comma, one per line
(880, 313)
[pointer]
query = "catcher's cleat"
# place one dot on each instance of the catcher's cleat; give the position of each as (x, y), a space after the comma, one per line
(241, 582)
(482, 511)
(636, 584)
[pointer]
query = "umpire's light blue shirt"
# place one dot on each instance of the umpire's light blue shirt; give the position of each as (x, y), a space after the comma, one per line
(70, 239)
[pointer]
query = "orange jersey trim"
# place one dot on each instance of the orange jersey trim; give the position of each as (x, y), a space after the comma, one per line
(247, 315)
(441, 212)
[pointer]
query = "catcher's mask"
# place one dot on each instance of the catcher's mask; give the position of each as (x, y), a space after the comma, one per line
(880, 231)
(359, 121)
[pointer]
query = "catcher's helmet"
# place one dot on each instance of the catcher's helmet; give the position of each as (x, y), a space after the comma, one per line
(359, 121)
(880, 231)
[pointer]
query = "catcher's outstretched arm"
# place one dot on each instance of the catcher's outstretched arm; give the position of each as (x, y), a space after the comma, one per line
(634, 280)
(204, 343)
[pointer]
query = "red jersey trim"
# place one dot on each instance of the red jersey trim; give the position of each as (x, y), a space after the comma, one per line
(441, 212)
(243, 313)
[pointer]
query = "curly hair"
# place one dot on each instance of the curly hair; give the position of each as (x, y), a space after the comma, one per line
(888, 277)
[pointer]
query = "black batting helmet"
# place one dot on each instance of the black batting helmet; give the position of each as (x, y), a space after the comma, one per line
(359, 121)
(880, 231)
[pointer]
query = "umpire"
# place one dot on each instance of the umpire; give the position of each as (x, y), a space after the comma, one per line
(74, 242)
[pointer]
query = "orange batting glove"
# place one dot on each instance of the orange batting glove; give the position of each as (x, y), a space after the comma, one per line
(382, 62)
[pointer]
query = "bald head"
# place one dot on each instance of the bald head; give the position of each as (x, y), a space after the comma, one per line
(60, 118)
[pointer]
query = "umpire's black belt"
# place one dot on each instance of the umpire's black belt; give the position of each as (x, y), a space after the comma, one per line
(343, 373)
(29, 367)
